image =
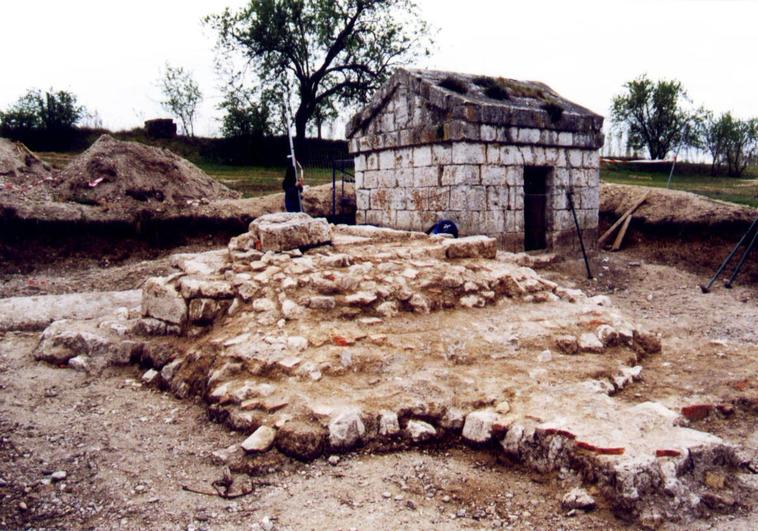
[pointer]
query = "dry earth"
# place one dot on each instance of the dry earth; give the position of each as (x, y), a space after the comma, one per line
(128, 450)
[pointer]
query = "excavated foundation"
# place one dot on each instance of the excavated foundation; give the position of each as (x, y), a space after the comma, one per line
(386, 339)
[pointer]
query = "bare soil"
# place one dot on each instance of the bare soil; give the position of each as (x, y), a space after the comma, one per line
(128, 450)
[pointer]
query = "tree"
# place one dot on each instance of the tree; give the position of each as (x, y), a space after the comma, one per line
(328, 51)
(653, 115)
(53, 111)
(732, 143)
(181, 96)
(741, 147)
(244, 116)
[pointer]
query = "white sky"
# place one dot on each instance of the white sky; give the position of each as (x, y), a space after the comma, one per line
(110, 52)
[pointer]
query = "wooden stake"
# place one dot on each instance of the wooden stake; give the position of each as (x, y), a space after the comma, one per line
(620, 236)
(607, 234)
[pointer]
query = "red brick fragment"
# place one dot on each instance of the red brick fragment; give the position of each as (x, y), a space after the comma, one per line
(609, 451)
(562, 433)
(341, 341)
(696, 411)
(667, 453)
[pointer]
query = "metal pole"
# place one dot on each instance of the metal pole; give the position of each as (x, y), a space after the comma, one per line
(706, 288)
(579, 234)
(676, 155)
(288, 118)
(334, 188)
(729, 282)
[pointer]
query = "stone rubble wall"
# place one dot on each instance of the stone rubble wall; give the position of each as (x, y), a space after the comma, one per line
(472, 174)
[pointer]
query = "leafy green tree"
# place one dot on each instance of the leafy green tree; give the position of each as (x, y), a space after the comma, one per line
(181, 96)
(741, 147)
(325, 51)
(51, 110)
(732, 143)
(244, 116)
(653, 115)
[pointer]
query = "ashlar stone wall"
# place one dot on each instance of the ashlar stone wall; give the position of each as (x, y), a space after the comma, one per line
(410, 174)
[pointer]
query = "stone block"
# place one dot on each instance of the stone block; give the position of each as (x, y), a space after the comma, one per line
(460, 174)
(493, 175)
(527, 155)
(396, 198)
(417, 198)
(442, 154)
(591, 159)
(511, 156)
(372, 161)
(162, 301)
(404, 177)
(426, 176)
(516, 198)
(528, 136)
(358, 180)
(494, 222)
(379, 199)
(285, 231)
(408, 220)
(362, 199)
(261, 440)
(469, 153)
(191, 287)
(360, 163)
(204, 311)
(387, 179)
(371, 179)
(439, 198)
(538, 158)
(498, 197)
(574, 157)
(493, 153)
(514, 176)
(488, 133)
(346, 429)
(387, 160)
(514, 221)
(422, 156)
(404, 158)
(470, 247)
(387, 121)
(565, 139)
(561, 178)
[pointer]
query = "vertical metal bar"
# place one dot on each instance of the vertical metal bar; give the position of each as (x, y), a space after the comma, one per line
(706, 288)
(736, 271)
(579, 234)
(334, 188)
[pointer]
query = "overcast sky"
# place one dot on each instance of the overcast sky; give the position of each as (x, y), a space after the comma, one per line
(110, 53)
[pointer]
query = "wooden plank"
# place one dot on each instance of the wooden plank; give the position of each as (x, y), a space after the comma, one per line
(620, 236)
(607, 234)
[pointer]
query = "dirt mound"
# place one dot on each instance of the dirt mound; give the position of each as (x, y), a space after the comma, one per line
(672, 207)
(22, 173)
(114, 173)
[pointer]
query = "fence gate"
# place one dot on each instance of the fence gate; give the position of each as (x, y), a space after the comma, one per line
(342, 172)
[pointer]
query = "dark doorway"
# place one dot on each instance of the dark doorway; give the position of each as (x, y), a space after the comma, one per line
(535, 207)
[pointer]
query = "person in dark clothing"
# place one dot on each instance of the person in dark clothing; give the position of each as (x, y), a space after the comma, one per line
(293, 188)
(444, 226)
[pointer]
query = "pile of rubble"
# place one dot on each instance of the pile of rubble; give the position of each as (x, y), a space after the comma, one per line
(22, 173)
(120, 174)
(315, 339)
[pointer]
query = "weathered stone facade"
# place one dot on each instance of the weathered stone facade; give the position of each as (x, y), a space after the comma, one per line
(424, 152)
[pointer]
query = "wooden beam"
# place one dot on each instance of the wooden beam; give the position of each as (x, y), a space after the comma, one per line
(607, 234)
(620, 236)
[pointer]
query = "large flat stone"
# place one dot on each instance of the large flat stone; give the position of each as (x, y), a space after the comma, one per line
(285, 231)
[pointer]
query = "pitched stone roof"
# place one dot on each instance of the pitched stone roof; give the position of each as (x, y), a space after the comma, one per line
(495, 101)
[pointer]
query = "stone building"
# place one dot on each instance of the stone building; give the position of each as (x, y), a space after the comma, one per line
(495, 155)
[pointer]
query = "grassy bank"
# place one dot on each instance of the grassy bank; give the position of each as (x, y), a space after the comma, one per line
(742, 191)
(260, 180)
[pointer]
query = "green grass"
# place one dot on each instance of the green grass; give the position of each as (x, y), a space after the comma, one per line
(254, 181)
(258, 180)
(743, 191)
